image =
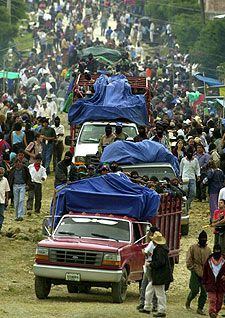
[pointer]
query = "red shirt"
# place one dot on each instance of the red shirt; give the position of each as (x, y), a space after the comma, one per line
(218, 214)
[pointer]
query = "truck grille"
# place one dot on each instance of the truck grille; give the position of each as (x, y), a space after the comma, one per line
(75, 257)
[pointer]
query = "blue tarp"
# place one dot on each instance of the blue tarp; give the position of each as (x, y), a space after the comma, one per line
(109, 194)
(208, 80)
(112, 100)
(127, 152)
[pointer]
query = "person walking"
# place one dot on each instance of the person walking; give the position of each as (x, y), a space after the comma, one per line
(215, 179)
(147, 251)
(34, 148)
(18, 137)
(19, 177)
(38, 175)
(197, 255)
(49, 136)
(218, 222)
(58, 144)
(203, 160)
(4, 195)
(189, 169)
(214, 280)
(161, 275)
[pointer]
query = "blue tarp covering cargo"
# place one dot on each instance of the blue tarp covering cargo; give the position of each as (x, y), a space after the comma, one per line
(112, 100)
(127, 152)
(108, 194)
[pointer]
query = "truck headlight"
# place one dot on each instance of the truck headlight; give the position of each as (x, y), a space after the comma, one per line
(41, 253)
(112, 259)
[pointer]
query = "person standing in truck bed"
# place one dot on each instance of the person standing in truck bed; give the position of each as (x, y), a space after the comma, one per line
(119, 133)
(106, 139)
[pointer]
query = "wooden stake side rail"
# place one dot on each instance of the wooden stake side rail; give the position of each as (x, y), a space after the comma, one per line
(168, 220)
(135, 82)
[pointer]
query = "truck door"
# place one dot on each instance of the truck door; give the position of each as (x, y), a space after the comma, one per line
(137, 255)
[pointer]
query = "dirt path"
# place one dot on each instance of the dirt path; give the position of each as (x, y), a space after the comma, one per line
(17, 281)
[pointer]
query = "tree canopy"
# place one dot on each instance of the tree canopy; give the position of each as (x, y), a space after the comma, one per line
(9, 28)
(204, 42)
(209, 49)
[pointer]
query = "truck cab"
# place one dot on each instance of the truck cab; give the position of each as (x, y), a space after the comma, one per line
(86, 144)
(87, 250)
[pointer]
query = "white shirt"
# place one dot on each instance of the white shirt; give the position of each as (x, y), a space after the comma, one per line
(59, 130)
(44, 112)
(216, 268)
(36, 176)
(180, 132)
(52, 105)
(189, 168)
(221, 194)
(149, 250)
(4, 187)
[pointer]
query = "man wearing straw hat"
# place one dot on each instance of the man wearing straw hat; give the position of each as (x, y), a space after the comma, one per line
(161, 275)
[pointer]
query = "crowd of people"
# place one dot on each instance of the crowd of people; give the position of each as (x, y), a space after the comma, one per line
(32, 135)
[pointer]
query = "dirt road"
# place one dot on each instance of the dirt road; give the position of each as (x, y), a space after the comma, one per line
(17, 281)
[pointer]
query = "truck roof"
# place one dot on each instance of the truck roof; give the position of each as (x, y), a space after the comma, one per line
(101, 216)
(108, 122)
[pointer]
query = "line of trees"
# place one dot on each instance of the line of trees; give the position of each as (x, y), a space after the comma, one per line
(204, 41)
(9, 21)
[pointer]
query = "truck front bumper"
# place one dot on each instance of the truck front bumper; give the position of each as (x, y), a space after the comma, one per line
(86, 274)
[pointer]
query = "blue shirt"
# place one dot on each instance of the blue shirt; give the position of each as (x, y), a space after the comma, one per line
(216, 180)
(203, 159)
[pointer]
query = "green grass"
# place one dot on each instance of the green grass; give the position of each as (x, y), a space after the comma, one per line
(24, 43)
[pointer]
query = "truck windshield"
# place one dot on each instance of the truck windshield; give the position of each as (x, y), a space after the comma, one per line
(95, 228)
(92, 133)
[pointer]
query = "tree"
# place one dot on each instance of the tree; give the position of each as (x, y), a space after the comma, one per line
(187, 28)
(209, 49)
(165, 10)
(9, 25)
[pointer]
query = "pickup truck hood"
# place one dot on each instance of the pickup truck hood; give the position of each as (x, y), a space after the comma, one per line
(86, 149)
(83, 244)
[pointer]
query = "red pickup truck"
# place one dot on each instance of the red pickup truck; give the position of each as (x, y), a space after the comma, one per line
(87, 250)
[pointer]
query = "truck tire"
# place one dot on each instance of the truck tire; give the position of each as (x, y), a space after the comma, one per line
(119, 290)
(184, 229)
(72, 289)
(42, 287)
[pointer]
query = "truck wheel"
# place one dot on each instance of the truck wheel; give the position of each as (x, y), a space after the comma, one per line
(42, 287)
(72, 289)
(184, 229)
(119, 290)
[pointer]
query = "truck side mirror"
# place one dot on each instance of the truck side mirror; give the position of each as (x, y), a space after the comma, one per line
(46, 226)
(67, 140)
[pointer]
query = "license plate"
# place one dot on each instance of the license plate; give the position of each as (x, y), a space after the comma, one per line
(75, 277)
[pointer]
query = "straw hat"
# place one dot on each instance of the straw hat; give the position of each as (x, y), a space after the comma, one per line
(158, 238)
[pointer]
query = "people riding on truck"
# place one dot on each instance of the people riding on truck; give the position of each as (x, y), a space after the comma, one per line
(119, 133)
(61, 170)
(106, 139)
